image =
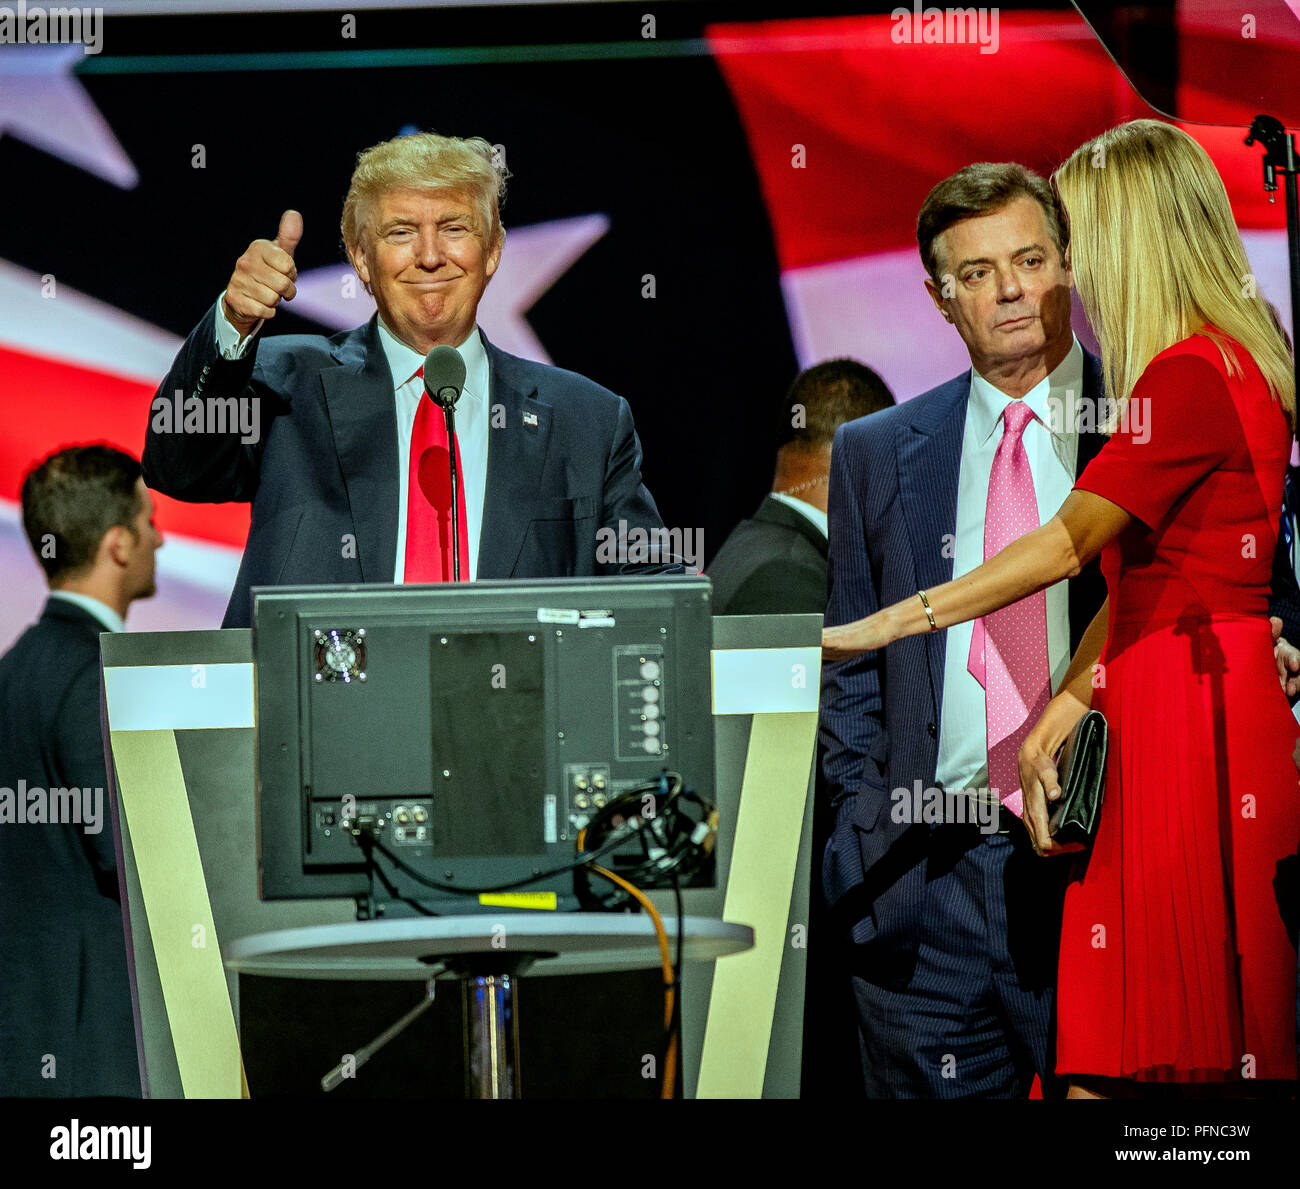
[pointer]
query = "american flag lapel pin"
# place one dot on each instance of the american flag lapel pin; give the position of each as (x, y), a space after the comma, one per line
(530, 419)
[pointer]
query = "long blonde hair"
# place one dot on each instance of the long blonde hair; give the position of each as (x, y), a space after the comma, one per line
(1157, 257)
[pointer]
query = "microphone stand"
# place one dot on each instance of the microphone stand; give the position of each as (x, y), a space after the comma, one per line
(449, 413)
(1280, 155)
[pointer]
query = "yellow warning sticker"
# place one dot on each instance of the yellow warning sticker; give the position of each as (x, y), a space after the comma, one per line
(545, 900)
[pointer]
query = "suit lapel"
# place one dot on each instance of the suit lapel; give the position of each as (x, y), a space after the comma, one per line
(363, 415)
(1093, 390)
(518, 433)
(929, 465)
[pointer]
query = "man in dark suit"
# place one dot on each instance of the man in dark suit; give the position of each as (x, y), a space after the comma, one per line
(330, 440)
(66, 1023)
(775, 562)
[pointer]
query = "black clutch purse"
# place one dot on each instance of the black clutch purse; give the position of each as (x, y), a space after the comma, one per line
(1081, 769)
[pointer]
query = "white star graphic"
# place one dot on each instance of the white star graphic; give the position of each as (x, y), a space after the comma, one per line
(534, 258)
(42, 103)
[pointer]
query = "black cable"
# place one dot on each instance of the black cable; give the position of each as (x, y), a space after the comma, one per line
(672, 829)
(583, 859)
(622, 805)
(681, 931)
(675, 1022)
(367, 844)
(650, 871)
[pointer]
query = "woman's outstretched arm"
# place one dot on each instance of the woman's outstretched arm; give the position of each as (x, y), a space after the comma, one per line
(1056, 550)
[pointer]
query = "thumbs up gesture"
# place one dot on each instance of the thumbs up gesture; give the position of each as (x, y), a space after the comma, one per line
(264, 275)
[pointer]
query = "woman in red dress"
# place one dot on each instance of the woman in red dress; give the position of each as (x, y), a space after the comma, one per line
(1175, 963)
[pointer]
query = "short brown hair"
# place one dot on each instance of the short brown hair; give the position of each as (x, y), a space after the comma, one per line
(72, 499)
(981, 189)
(828, 394)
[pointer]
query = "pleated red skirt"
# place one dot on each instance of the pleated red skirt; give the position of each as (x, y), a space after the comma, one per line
(1175, 961)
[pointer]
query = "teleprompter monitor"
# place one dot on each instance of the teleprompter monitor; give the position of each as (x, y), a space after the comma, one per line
(432, 748)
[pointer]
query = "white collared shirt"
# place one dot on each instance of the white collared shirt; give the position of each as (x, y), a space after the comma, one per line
(111, 620)
(1052, 445)
(473, 418)
(814, 516)
(472, 421)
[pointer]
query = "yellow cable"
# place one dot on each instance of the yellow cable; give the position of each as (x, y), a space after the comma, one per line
(670, 1058)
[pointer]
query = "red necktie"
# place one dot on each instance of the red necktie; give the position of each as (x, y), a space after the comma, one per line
(1008, 649)
(428, 499)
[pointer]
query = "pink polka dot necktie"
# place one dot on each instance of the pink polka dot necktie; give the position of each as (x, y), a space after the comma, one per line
(1008, 649)
(428, 499)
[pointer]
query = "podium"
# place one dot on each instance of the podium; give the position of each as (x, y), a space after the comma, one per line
(179, 729)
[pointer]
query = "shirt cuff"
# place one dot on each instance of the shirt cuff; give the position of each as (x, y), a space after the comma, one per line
(228, 342)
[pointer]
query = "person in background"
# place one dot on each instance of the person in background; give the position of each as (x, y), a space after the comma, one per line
(66, 1022)
(775, 562)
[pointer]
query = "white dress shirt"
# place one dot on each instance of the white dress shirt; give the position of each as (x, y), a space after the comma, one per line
(1052, 447)
(473, 418)
(814, 516)
(111, 620)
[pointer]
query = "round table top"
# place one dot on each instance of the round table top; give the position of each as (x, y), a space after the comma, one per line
(569, 942)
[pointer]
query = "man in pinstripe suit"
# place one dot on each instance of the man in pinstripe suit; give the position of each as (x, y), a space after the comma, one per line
(954, 922)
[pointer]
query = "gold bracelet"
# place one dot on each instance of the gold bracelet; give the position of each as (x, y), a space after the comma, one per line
(934, 627)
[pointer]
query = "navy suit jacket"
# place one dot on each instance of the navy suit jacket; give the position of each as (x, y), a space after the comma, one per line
(893, 502)
(564, 462)
(65, 991)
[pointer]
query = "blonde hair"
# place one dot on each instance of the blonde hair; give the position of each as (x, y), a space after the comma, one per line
(427, 161)
(1157, 257)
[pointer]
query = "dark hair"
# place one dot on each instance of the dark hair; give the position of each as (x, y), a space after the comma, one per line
(72, 499)
(981, 189)
(828, 394)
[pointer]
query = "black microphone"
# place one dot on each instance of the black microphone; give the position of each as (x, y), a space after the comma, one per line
(444, 377)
